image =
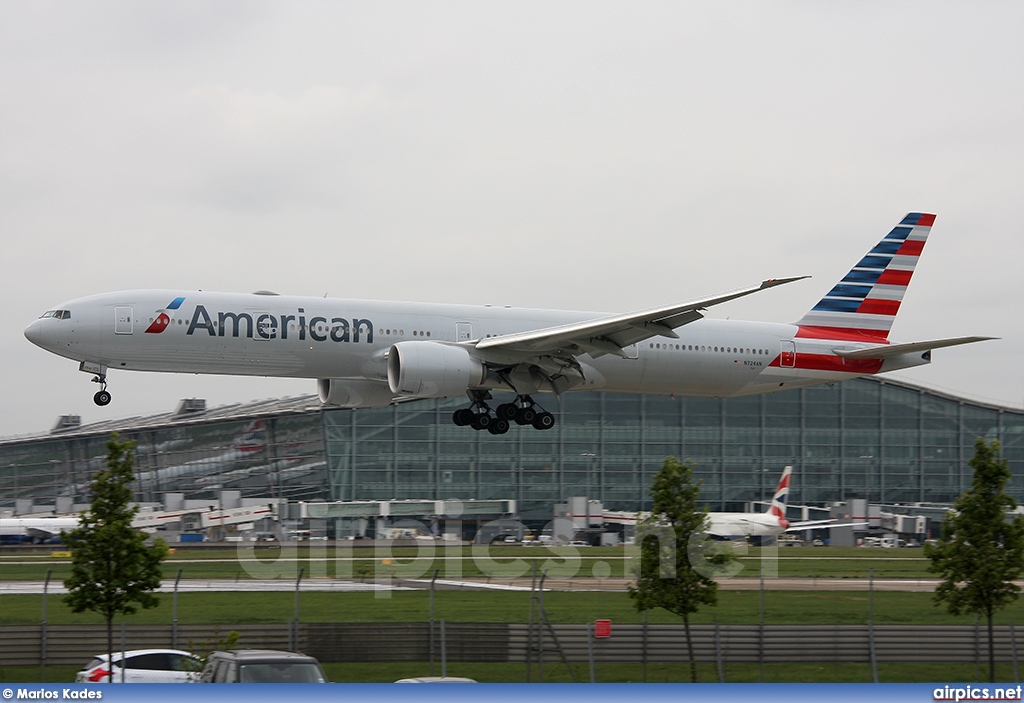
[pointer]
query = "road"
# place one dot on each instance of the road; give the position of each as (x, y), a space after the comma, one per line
(611, 585)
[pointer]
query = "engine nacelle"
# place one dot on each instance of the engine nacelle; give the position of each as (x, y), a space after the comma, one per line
(353, 393)
(432, 370)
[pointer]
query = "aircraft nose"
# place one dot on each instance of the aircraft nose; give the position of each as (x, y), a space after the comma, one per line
(34, 333)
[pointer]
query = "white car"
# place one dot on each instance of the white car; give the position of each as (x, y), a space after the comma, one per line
(143, 666)
(437, 679)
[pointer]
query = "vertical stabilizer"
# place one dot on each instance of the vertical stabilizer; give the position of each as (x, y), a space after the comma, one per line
(865, 302)
(778, 506)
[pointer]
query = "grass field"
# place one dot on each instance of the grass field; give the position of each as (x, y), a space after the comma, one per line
(498, 561)
(734, 607)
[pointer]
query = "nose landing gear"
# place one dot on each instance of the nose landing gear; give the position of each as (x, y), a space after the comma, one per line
(102, 396)
(99, 372)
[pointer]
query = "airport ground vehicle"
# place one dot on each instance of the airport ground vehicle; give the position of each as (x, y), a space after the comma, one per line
(142, 666)
(261, 666)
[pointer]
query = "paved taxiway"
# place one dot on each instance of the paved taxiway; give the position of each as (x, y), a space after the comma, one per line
(516, 584)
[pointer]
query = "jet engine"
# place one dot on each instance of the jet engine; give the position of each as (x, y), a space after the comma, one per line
(432, 370)
(353, 393)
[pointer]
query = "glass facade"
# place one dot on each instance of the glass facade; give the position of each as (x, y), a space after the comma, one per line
(883, 441)
(266, 457)
(886, 442)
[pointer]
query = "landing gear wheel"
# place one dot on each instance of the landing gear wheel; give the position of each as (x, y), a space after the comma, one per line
(499, 426)
(463, 417)
(507, 411)
(544, 421)
(525, 416)
(482, 421)
(101, 398)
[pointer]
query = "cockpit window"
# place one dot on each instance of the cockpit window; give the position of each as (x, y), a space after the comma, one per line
(57, 314)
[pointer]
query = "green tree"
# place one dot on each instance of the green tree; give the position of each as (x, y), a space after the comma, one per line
(112, 568)
(676, 563)
(982, 549)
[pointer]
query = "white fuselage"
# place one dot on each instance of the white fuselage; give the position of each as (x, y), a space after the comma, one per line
(323, 338)
(40, 528)
(744, 525)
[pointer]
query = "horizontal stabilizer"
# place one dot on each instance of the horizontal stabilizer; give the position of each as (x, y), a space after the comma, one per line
(887, 350)
(822, 524)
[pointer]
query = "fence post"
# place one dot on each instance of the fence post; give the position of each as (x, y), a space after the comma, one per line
(529, 627)
(644, 648)
(444, 652)
(590, 650)
(432, 580)
(296, 620)
(977, 647)
(174, 616)
(1013, 653)
(540, 626)
(42, 639)
(871, 624)
(760, 637)
(718, 652)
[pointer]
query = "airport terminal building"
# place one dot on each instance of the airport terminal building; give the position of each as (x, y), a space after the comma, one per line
(884, 441)
(880, 440)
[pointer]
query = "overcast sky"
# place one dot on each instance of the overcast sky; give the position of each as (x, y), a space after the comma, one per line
(574, 155)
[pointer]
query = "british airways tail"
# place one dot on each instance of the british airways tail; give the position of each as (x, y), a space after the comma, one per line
(778, 506)
(777, 511)
(864, 304)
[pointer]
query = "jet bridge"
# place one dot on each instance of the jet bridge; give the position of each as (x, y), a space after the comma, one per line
(452, 518)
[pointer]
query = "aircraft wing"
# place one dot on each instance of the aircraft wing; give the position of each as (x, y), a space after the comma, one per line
(608, 335)
(40, 534)
(887, 350)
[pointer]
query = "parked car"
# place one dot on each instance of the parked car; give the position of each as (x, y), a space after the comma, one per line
(261, 666)
(142, 666)
(437, 679)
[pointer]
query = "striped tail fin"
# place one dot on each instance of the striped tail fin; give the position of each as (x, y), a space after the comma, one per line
(778, 506)
(865, 302)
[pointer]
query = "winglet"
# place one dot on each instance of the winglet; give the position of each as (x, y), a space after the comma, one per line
(772, 282)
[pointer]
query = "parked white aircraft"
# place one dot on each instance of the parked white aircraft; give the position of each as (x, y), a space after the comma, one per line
(35, 529)
(371, 353)
(771, 522)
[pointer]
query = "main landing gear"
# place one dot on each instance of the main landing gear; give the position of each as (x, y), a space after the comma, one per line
(522, 411)
(102, 397)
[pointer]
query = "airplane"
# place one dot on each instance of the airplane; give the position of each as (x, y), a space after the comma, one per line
(372, 353)
(771, 523)
(40, 530)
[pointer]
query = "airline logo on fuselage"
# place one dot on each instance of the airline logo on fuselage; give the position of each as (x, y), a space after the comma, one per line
(263, 325)
(163, 317)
